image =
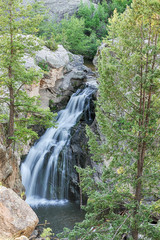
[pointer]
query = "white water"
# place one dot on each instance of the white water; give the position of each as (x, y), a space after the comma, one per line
(45, 171)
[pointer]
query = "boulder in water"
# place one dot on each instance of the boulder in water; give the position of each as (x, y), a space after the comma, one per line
(16, 216)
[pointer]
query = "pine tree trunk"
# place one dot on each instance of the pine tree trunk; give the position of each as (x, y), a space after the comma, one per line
(138, 192)
(11, 116)
(140, 164)
(10, 87)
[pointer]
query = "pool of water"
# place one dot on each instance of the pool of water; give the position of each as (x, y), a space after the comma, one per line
(88, 63)
(59, 215)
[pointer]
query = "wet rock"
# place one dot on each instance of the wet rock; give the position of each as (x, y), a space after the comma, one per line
(80, 157)
(16, 216)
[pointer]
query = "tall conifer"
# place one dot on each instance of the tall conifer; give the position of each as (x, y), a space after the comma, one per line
(16, 20)
(121, 205)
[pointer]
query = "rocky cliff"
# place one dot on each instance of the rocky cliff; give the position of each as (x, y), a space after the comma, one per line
(65, 73)
(58, 9)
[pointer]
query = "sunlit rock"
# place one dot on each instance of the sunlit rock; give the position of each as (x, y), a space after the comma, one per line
(54, 59)
(22, 238)
(16, 216)
(9, 169)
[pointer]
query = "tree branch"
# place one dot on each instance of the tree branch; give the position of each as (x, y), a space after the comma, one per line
(19, 89)
(121, 226)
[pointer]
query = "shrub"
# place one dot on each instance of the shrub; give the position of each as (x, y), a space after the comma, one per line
(70, 33)
(51, 44)
(47, 233)
(44, 66)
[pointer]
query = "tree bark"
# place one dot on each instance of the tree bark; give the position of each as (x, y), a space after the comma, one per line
(10, 86)
(11, 116)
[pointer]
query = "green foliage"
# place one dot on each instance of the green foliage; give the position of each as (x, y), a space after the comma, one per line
(120, 5)
(128, 117)
(20, 110)
(44, 66)
(37, 9)
(70, 33)
(94, 18)
(51, 44)
(47, 233)
(23, 195)
(82, 33)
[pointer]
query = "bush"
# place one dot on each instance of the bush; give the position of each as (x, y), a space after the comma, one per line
(44, 66)
(47, 233)
(70, 33)
(95, 19)
(51, 44)
(120, 5)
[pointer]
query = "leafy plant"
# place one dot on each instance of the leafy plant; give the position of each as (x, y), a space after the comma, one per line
(120, 5)
(51, 44)
(47, 233)
(44, 66)
(22, 195)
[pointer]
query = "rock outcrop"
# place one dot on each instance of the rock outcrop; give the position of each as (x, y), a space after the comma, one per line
(66, 73)
(16, 216)
(9, 170)
(58, 9)
(56, 59)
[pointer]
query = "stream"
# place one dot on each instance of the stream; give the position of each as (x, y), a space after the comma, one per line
(47, 169)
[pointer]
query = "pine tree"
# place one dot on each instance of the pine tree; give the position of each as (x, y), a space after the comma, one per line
(16, 20)
(126, 197)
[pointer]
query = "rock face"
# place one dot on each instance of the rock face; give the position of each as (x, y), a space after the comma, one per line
(16, 217)
(58, 9)
(78, 149)
(66, 73)
(9, 170)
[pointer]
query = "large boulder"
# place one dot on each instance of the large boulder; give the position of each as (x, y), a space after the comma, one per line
(16, 216)
(56, 59)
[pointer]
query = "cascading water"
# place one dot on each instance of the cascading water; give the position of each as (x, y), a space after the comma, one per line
(45, 171)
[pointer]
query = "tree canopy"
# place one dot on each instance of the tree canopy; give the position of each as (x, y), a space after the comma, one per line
(126, 197)
(83, 32)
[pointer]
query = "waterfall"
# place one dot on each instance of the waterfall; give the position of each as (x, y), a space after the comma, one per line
(45, 171)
